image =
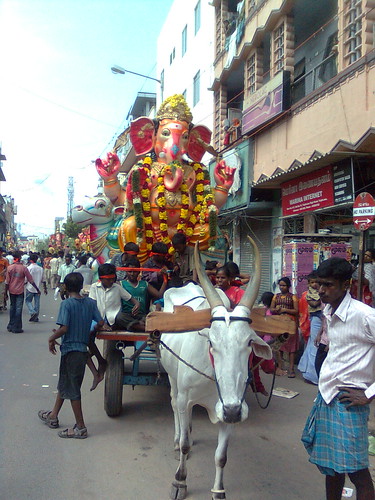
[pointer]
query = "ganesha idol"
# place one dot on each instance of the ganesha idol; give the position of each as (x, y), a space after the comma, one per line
(168, 190)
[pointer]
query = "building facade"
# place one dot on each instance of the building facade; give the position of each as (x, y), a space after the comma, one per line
(294, 108)
(185, 55)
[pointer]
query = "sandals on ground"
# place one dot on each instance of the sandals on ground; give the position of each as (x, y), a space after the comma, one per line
(291, 374)
(53, 423)
(74, 433)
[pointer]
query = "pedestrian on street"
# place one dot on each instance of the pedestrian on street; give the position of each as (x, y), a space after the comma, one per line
(87, 273)
(286, 303)
(32, 298)
(47, 269)
(9, 257)
(17, 273)
(63, 271)
(3, 271)
(75, 317)
(336, 431)
(54, 265)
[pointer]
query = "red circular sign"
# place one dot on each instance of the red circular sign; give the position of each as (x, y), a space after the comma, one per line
(363, 211)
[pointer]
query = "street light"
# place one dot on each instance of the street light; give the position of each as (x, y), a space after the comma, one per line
(121, 71)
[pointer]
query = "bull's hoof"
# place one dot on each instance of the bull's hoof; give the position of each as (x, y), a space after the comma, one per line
(218, 494)
(178, 491)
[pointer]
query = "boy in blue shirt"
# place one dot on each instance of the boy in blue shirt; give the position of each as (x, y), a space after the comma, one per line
(75, 317)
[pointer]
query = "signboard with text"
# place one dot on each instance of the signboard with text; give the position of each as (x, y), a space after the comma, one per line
(267, 102)
(363, 211)
(307, 193)
(343, 184)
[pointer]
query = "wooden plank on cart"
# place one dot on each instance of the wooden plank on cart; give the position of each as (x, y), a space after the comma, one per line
(121, 335)
(184, 319)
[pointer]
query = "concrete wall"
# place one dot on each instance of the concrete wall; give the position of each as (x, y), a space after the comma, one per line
(179, 75)
(345, 113)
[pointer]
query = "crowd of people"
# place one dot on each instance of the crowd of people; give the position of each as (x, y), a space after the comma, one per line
(332, 346)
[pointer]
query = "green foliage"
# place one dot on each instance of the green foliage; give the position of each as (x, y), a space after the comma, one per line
(71, 229)
(42, 245)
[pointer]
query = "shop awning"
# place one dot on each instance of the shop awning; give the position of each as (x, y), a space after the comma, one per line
(363, 148)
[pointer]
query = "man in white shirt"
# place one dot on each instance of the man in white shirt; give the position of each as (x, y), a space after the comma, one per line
(336, 433)
(86, 272)
(63, 271)
(32, 297)
(108, 294)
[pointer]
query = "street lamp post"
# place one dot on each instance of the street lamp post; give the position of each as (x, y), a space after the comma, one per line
(121, 71)
(118, 70)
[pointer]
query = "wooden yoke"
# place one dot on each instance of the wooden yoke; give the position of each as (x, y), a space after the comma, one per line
(184, 319)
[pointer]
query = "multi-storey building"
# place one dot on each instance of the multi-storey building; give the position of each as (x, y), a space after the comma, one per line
(185, 54)
(294, 108)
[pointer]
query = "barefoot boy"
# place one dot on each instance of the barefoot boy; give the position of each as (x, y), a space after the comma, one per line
(75, 317)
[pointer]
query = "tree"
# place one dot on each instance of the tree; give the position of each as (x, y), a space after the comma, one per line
(71, 229)
(42, 245)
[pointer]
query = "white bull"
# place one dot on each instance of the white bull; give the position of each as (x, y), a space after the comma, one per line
(221, 352)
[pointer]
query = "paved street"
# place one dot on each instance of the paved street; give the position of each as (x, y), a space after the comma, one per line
(131, 457)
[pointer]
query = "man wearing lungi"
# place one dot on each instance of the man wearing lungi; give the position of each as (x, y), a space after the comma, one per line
(336, 432)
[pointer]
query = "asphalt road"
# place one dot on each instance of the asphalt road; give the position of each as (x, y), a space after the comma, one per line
(131, 457)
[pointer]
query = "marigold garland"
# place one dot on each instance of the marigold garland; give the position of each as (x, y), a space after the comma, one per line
(203, 211)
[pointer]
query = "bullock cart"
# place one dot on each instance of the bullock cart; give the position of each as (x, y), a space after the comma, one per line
(143, 367)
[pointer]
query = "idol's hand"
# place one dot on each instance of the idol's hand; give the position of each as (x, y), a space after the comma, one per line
(109, 168)
(224, 175)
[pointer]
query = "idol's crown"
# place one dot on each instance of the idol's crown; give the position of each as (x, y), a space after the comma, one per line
(175, 108)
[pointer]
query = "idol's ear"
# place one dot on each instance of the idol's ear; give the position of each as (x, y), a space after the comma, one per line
(142, 133)
(199, 142)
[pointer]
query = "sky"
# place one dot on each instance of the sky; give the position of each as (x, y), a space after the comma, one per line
(61, 107)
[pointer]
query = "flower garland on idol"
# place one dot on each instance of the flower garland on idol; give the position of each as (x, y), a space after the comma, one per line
(140, 196)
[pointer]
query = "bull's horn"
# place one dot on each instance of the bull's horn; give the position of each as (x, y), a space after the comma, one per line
(213, 297)
(252, 288)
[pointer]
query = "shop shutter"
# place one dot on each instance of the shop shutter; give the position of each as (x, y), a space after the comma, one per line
(260, 231)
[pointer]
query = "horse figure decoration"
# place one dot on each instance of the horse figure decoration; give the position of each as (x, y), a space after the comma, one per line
(99, 215)
(220, 352)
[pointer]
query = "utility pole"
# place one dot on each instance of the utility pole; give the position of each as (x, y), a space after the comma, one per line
(70, 198)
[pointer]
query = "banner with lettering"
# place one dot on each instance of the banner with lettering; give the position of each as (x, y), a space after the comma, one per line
(307, 193)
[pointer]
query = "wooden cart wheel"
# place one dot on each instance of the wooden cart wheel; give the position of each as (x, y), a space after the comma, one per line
(108, 346)
(114, 378)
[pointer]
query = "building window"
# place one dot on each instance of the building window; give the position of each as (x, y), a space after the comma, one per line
(172, 56)
(184, 94)
(184, 40)
(251, 74)
(196, 88)
(353, 30)
(278, 49)
(197, 17)
(162, 82)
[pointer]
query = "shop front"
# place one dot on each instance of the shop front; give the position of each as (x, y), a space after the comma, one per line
(316, 208)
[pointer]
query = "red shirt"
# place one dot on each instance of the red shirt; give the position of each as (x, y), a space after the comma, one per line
(234, 294)
(15, 279)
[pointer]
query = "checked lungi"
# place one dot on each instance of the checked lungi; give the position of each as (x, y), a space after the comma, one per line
(336, 438)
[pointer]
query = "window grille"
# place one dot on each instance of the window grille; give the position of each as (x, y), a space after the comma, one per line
(278, 49)
(217, 121)
(353, 30)
(251, 75)
(293, 225)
